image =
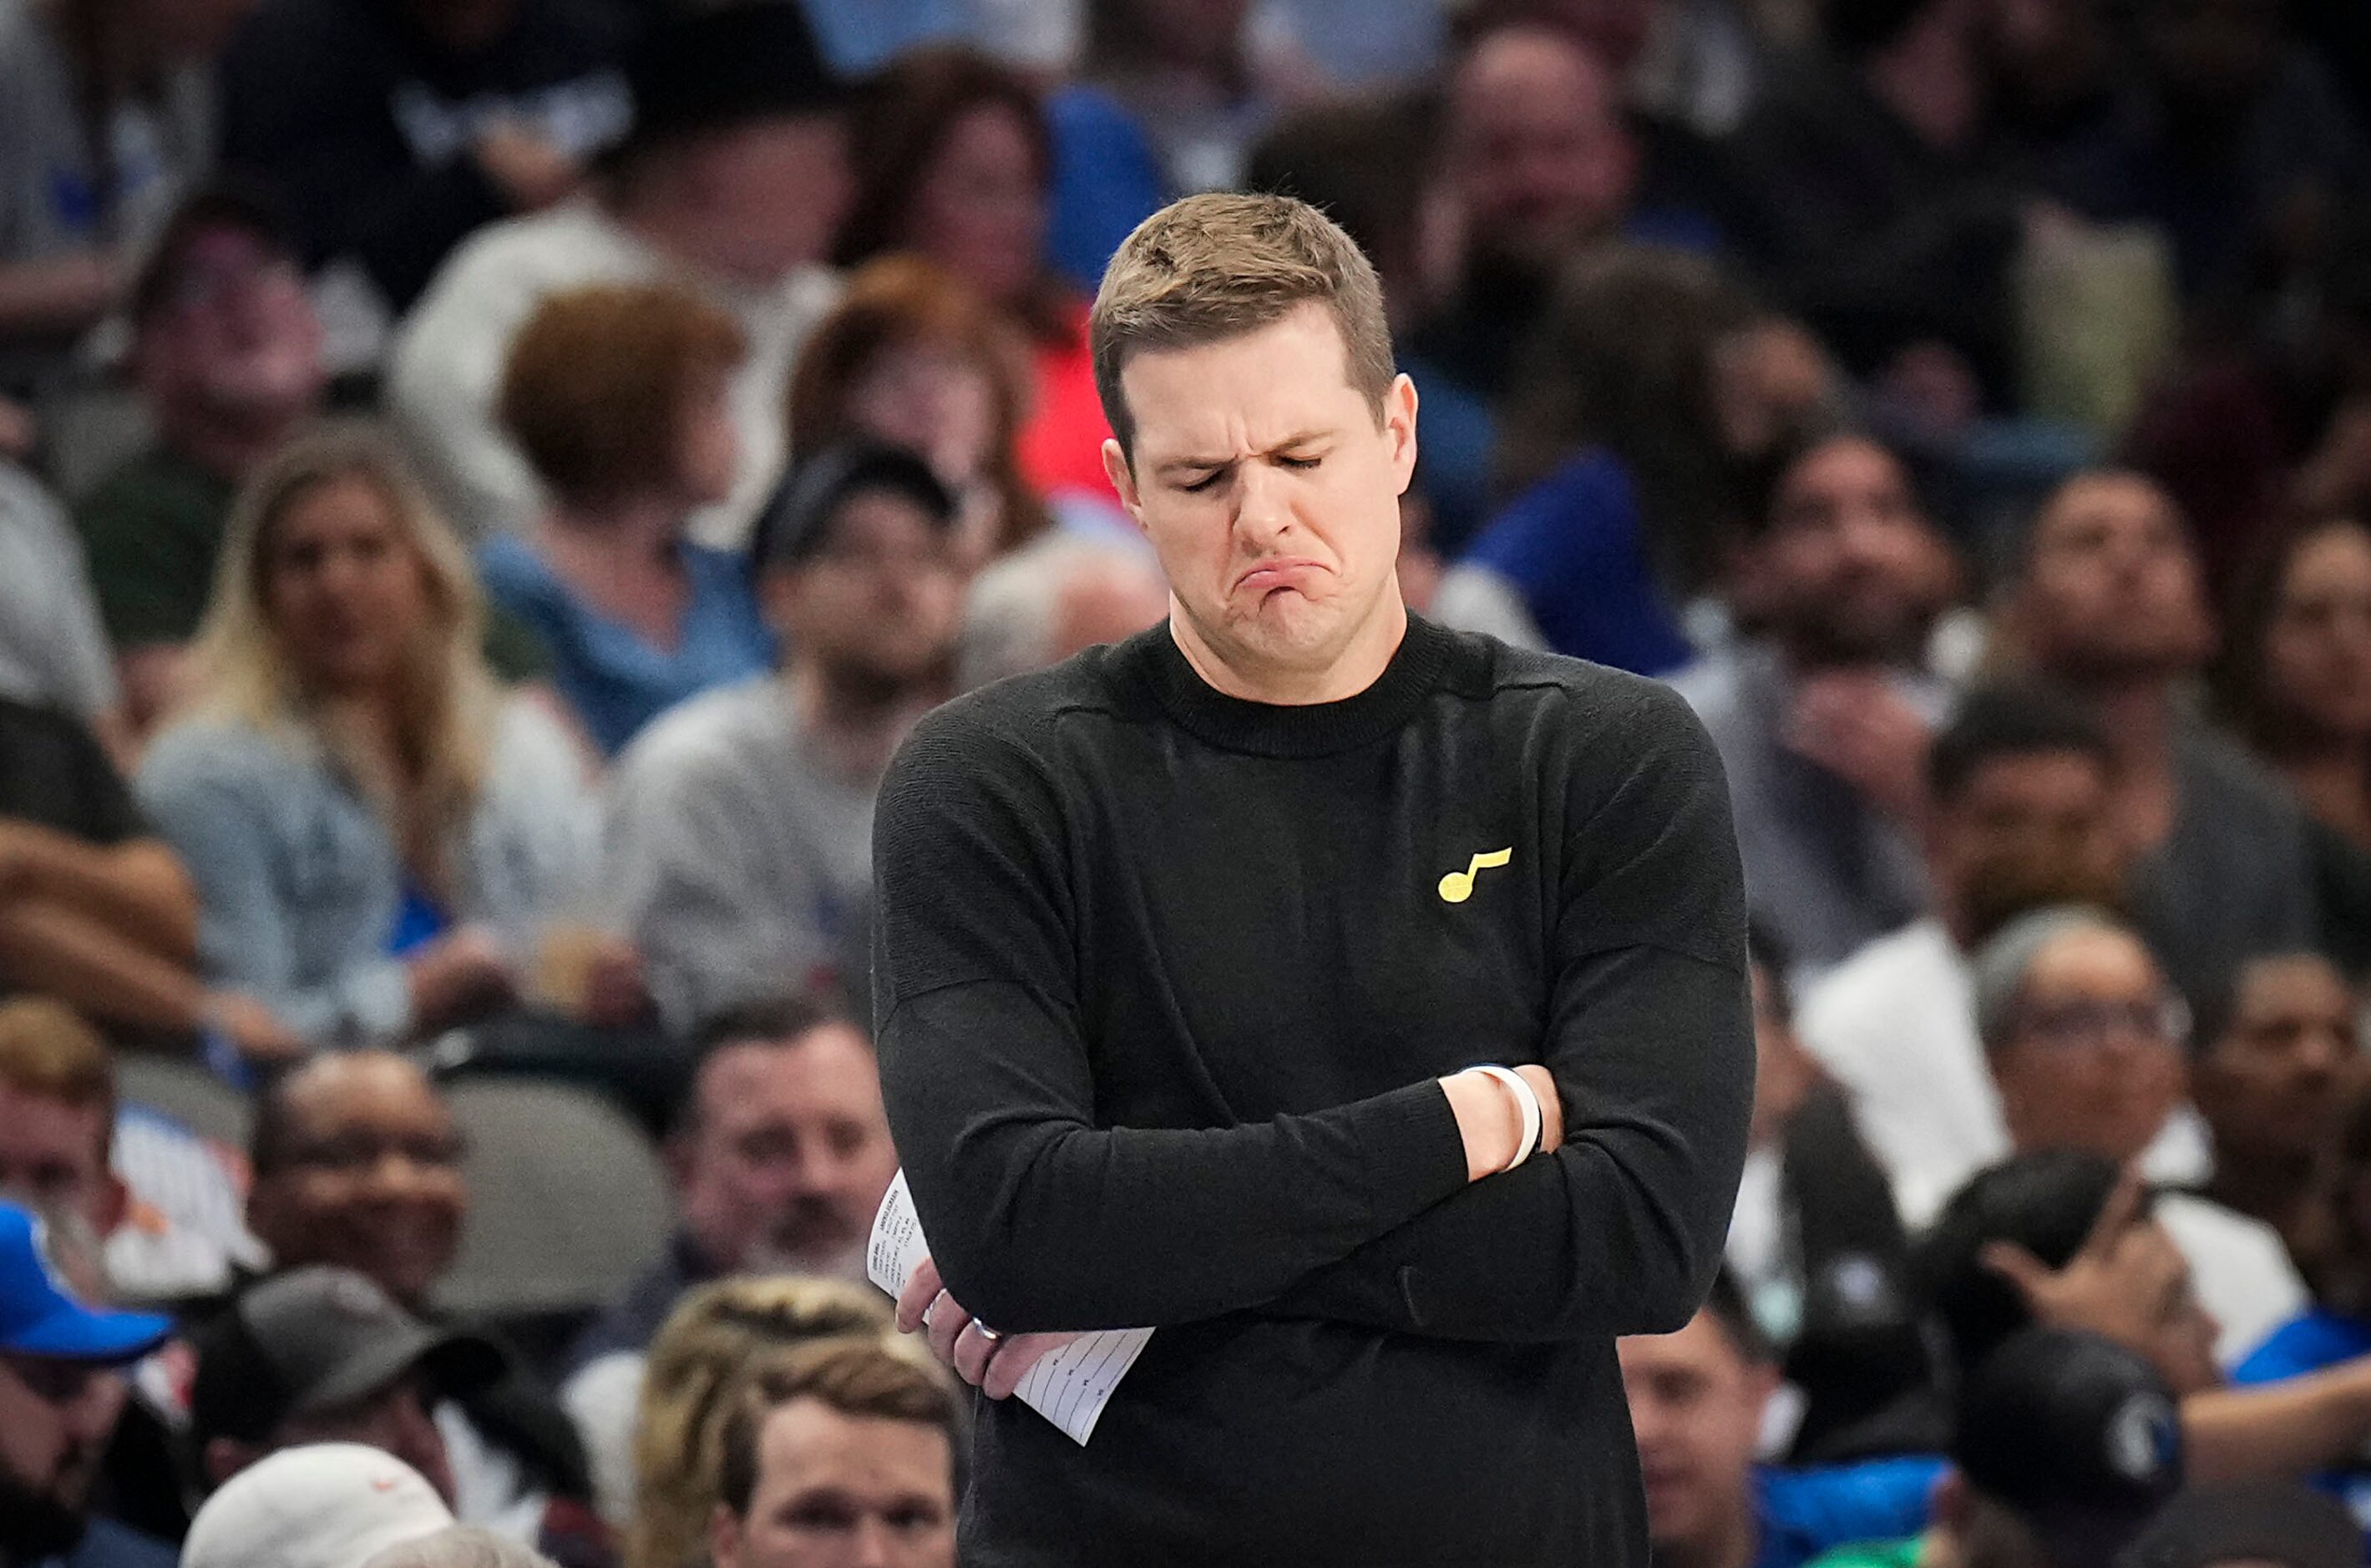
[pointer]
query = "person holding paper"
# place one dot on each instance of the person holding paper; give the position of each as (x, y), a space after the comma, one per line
(1185, 954)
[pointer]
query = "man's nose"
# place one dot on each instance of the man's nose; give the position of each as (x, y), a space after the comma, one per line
(1260, 510)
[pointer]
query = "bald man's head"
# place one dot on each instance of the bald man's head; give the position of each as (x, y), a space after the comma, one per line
(1539, 157)
(358, 1163)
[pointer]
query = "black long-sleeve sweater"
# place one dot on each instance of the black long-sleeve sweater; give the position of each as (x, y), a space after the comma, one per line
(1165, 981)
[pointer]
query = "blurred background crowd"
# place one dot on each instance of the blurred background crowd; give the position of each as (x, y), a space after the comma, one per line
(486, 484)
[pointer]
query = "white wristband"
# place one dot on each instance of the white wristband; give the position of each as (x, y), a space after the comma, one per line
(1527, 1101)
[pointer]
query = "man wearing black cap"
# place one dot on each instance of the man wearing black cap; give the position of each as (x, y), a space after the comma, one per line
(741, 825)
(322, 1355)
(2067, 1445)
(732, 181)
(393, 128)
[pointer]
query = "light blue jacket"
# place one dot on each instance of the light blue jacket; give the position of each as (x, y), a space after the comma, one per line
(299, 883)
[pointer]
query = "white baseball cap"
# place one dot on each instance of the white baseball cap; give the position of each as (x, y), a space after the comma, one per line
(325, 1506)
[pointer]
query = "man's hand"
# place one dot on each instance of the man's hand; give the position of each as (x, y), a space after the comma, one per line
(254, 1030)
(1492, 1124)
(1857, 727)
(986, 1360)
(460, 974)
(2116, 1282)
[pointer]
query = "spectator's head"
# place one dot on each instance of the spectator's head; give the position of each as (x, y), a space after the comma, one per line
(60, 1388)
(1839, 557)
(953, 161)
(781, 1150)
(2018, 788)
(619, 395)
(2296, 672)
(57, 1114)
(358, 1164)
(2276, 1060)
(225, 348)
(458, 1546)
(339, 580)
(322, 1355)
(2106, 594)
(837, 1452)
(738, 157)
(1626, 362)
(1039, 606)
(1540, 160)
(2048, 1203)
(859, 570)
(2064, 1447)
(912, 357)
(2083, 1036)
(326, 1506)
(1262, 437)
(1696, 1398)
(713, 1333)
(2257, 1524)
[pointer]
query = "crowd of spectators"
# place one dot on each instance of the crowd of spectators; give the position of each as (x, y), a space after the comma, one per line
(486, 486)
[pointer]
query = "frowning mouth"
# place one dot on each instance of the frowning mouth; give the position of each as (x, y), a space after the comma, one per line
(1294, 571)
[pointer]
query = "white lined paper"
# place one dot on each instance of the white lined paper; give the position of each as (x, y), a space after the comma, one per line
(1069, 1385)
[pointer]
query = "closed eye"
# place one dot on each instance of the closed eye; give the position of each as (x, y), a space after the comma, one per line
(1203, 484)
(1302, 463)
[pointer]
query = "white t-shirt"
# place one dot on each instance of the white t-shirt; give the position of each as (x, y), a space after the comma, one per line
(2239, 1268)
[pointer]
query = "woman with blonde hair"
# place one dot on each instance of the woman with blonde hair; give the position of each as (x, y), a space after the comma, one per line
(650, 1422)
(362, 809)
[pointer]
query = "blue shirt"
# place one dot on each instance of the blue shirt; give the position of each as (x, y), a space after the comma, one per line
(1570, 548)
(2305, 1344)
(614, 680)
(1804, 1512)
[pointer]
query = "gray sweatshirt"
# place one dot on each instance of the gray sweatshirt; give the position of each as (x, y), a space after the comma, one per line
(742, 862)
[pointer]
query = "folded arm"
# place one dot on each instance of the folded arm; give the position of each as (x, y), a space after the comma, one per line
(1650, 1038)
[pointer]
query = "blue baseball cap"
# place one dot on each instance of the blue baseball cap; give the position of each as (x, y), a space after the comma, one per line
(39, 1316)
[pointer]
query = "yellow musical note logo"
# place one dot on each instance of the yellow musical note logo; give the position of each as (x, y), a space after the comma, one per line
(1458, 886)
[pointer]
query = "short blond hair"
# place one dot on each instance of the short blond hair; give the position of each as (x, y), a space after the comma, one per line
(855, 1375)
(706, 1341)
(48, 1052)
(1217, 266)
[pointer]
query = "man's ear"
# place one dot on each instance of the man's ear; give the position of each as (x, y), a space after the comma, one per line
(1399, 423)
(1122, 474)
(723, 1538)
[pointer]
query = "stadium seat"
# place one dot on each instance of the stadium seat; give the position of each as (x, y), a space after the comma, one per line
(567, 1200)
